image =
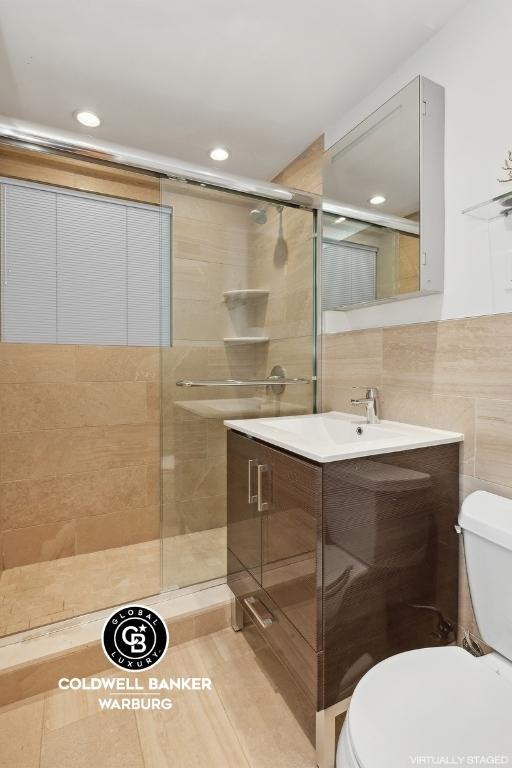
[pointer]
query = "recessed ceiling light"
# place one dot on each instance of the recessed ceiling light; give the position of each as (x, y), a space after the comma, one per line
(377, 200)
(340, 219)
(219, 154)
(88, 118)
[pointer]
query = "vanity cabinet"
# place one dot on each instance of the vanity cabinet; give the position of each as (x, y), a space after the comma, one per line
(344, 563)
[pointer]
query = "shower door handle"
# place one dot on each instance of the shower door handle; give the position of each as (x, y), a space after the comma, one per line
(251, 498)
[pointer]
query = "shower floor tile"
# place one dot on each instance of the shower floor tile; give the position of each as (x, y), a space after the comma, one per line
(194, 557)
(43, 593)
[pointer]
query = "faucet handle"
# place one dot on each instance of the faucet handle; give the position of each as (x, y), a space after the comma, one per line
(371, 392)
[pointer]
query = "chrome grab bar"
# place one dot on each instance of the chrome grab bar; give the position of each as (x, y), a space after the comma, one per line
(271, 380)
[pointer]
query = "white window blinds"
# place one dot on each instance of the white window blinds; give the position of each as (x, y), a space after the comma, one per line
(83, 269)
(348, 274)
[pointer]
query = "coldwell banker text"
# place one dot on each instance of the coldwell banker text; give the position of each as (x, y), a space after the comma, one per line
(149, 690)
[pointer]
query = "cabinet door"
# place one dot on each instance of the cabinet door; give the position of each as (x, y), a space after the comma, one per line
(290, 493)
(244, 519)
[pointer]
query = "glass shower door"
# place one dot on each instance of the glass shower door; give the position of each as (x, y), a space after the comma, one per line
(82, 246)
(242, 303)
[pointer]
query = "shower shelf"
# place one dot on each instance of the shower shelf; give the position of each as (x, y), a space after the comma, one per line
(492, 209)
(246, 340)
(244, 294)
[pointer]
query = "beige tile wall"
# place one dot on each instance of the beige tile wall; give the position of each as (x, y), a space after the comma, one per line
(454, 374)
(282, 263)
(305, 172)
(78, 174)
(194, 476)
(79, 449)
(79, 425)
(217, 247)
(210, 256)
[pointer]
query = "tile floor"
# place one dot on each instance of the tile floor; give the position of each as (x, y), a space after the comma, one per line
(243, 722)
(42, 593)
(194, 557)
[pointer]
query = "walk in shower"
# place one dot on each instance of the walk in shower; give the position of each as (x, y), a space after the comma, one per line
(138, 312)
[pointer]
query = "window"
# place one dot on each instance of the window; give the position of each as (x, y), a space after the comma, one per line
(78, 268)
(348, 273)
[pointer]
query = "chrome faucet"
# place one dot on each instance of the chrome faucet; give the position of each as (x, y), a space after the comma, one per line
(370, 401)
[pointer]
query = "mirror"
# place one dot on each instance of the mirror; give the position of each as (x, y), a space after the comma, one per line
(383, 223)
(363, 263)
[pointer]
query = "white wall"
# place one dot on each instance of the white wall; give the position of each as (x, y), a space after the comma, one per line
(470, 57)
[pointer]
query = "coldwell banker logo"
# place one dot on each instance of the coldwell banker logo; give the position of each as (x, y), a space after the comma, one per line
(135, 637)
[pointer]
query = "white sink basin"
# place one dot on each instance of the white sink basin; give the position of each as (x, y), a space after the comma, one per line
(336, 436)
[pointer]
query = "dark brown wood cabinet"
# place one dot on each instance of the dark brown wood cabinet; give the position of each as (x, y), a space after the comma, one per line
(342, 564)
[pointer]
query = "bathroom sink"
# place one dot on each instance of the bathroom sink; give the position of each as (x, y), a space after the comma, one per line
(336, 436)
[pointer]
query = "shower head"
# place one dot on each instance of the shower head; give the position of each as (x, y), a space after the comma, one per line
(258, 215)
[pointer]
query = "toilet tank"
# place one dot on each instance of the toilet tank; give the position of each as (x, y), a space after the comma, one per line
(486, 522)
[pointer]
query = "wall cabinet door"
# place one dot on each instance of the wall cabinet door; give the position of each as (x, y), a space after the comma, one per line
(244, 518)
(290, 495)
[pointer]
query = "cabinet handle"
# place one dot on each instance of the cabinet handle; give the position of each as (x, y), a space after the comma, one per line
(264, 621)
(263, 506)
(251, 498)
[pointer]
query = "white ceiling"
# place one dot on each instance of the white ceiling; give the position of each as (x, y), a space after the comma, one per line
(177, 77)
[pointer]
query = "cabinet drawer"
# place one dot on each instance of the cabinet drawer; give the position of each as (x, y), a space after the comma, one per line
(287, 643)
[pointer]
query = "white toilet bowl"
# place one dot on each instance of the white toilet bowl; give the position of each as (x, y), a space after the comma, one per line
(426, 705)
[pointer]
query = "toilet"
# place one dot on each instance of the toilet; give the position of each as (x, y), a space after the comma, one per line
(443, 706)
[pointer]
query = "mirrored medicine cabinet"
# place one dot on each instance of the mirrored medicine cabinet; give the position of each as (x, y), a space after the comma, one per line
(383, 212)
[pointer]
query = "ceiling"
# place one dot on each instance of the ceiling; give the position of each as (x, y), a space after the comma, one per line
(179, 77)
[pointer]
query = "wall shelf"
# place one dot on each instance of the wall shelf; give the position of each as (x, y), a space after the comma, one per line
(239, 408)
(244, 294)
(492, 209)
(246, 340)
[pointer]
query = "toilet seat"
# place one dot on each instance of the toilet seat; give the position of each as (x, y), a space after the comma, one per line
(433, 702)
